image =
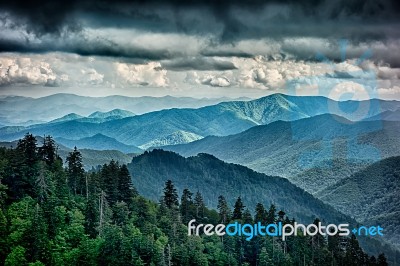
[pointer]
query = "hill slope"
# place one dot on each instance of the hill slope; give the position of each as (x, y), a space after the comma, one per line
(372, 196)
(289, 148)
(98, 142)
(178, 137)
(214, 177)
(150, 170)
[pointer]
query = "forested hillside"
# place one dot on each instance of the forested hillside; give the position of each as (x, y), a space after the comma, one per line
(371, 196)
(214, 177)
(55, 216)
(288, 149)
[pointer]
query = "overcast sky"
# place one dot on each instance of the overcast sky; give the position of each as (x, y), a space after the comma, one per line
(205, 48)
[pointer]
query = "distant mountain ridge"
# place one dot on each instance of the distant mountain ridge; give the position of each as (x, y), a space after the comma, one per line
(96, 117)
(99, 142)
(68, 117)
(178, 137)
(113, 113)
(220, 120)
(17, 110)
(288, 149)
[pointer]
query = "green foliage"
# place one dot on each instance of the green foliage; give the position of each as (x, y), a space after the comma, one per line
(69, 217)
(16, 257)
(75, 171)
(170, 195)
(238, 209)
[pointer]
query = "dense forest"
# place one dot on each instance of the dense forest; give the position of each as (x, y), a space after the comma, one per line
(57, 214)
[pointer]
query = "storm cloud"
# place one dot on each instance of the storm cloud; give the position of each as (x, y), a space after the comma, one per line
(186, 46)
(79, 26)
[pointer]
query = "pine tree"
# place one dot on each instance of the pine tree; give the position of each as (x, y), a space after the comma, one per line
(354, 253)
(120, 213)
(16, 257)
(199, 204)
(92, 216)
(28, 147)
(125, 186)
(381, 261)
(110, 179)
(27, 152)
(186, 204)
(238, 209)
(3, 236)
(264, 259)
(261, 213)
(42, 187)
(372, 261)
(281, 216)
(39, 234)
(271, 216)
(223, 210)
(170, 195)
(247, 218)
(75, 170)
(48, 152)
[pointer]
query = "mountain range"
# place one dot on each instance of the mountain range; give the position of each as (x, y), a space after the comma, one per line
(219, 120)
(96, 117)
(18, 110)
(288, 149)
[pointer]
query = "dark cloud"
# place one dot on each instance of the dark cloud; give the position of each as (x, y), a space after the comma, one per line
(223, 22)
(47, 16)
(98, 47)
(198, 63)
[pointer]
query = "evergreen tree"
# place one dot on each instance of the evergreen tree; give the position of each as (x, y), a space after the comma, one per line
(264, 259)
(3, 236)
(170, 195)
(186, 204)
(354, 254)
(110, 182)
(92, 216)
(26, 164)
(261, 213)
(381, 261)
(125, 186)
(372, 261)
(223, 210)
(42, 186)
(199, 204)
(247, 218)
(39, 234)
(75, 171)
(120, 213)
(238, 209)
(28, 147)
(16, 257)
(271, 216)
(48, 152)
